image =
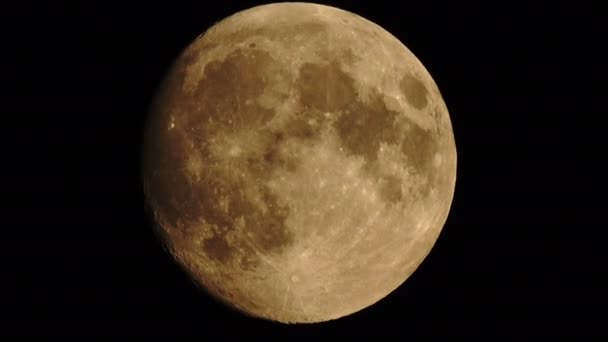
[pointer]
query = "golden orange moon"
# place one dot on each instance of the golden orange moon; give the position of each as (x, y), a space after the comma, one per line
(299, 162)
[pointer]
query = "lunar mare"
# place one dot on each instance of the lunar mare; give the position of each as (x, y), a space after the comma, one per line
(299, 161)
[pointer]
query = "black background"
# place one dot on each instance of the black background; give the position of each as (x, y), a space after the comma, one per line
(515, 257)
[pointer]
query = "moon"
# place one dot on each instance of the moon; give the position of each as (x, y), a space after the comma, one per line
(299, 162)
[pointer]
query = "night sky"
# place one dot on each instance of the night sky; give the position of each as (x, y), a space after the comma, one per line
(514, 258)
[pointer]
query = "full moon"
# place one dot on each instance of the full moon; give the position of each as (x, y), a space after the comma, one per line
(299, 162)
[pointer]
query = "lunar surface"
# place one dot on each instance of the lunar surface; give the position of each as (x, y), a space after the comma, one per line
(299, 162)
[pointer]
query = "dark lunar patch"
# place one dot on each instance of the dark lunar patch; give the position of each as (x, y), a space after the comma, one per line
(217, 249)
(361, 127)
(270, 232)
(299, 129)
(325, 87)
(259, 167)
(267, 227)
(419, 147)
(348, 57)
(364, 125)
(390, 189)
(221, 96)
(414, 91)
